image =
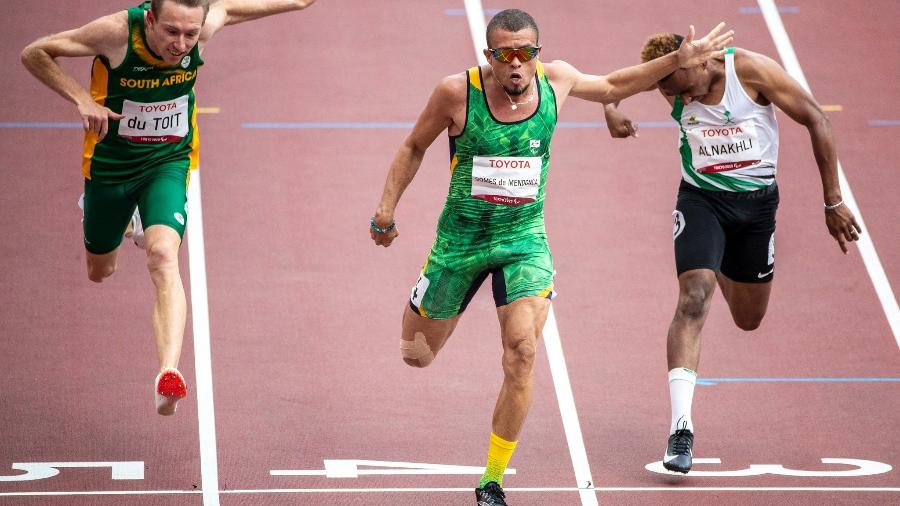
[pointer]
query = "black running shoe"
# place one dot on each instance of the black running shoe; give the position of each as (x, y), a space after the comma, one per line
(490, 495)
(679, 452)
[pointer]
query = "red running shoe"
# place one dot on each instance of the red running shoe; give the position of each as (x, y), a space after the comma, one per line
(170, 388)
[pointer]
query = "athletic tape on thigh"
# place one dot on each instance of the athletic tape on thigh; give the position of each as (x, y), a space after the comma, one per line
(417, 349)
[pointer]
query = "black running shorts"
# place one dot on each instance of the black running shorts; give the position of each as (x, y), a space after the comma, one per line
(728, 232)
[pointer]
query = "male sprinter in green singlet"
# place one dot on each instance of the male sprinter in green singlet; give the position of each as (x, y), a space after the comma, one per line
(725, 212)
(141, 140)
(500, 119)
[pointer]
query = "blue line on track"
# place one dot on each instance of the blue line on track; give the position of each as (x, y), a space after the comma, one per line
(714, 381)
(32, 124)
(462, 12)
(581, 124)
(405, 125)
(602, 124)
(326, 124)
(657, 124)
(380, 125)
(884, 122)
(787, 9)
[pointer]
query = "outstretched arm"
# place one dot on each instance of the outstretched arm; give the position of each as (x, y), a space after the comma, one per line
(631, 80)
(766, 76)
(104, 37)
(434, 119)
(620, 126)
(231, 12)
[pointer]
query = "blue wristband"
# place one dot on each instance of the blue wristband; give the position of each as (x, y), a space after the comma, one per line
(376, 228)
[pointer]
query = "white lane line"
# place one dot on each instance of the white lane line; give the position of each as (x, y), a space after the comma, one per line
(206, 420)
(477, 28)
(567, 410)
(99, 492)
(865, 245)
(467, 490)
(558, 370)
(573, 489)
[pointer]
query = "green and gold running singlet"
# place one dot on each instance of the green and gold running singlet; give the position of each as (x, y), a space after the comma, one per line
(157, 101)
(493, 219)
(499, 170)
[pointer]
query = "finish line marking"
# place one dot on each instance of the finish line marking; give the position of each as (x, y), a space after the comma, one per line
(123, 470)
(859, 467)
(459, 490)
(342, 469)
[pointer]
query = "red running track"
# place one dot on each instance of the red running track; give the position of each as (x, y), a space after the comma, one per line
(304, 311)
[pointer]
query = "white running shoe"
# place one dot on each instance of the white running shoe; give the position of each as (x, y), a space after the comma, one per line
(169, 388)
(81, 206)
(137, 230)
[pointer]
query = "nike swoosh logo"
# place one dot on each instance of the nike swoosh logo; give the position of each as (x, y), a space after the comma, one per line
(669, 457)
(764, 274)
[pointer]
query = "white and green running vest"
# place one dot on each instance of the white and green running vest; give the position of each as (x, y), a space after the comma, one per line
(732, 146)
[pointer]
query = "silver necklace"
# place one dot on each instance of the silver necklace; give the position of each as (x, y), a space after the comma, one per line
(512, 103)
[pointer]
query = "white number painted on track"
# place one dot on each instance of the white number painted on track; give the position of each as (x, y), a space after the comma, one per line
(351, 469)
(131, 470)
(862, 468)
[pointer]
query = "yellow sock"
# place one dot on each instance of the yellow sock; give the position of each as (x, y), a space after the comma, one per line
(499, 453)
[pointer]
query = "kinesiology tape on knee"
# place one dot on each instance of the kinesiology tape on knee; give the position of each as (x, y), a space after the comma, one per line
(417, 349)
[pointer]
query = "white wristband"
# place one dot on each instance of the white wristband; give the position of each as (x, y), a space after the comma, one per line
(829, 207)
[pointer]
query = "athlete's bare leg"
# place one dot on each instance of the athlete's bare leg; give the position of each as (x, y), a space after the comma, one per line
(695, 291)
(100, 267)
(422, 338)
(747, 301)
(170, 310)
(521, 323)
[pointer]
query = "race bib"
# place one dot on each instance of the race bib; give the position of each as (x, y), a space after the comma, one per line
(720, 149)
(155, 122)
(418, 291)
(506, 180)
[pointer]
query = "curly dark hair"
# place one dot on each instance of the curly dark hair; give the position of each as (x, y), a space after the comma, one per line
(660, 44)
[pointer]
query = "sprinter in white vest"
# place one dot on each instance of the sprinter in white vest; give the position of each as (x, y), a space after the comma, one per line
(725, 213)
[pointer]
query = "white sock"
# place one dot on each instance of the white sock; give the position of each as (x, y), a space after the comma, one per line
(681, 393)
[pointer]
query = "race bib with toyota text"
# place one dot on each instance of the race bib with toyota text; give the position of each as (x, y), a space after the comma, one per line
(506, 180)
(720, 149)
(155, 122)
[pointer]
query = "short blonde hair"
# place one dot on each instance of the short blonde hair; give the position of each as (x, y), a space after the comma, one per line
(156, 6)
(660, 44)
